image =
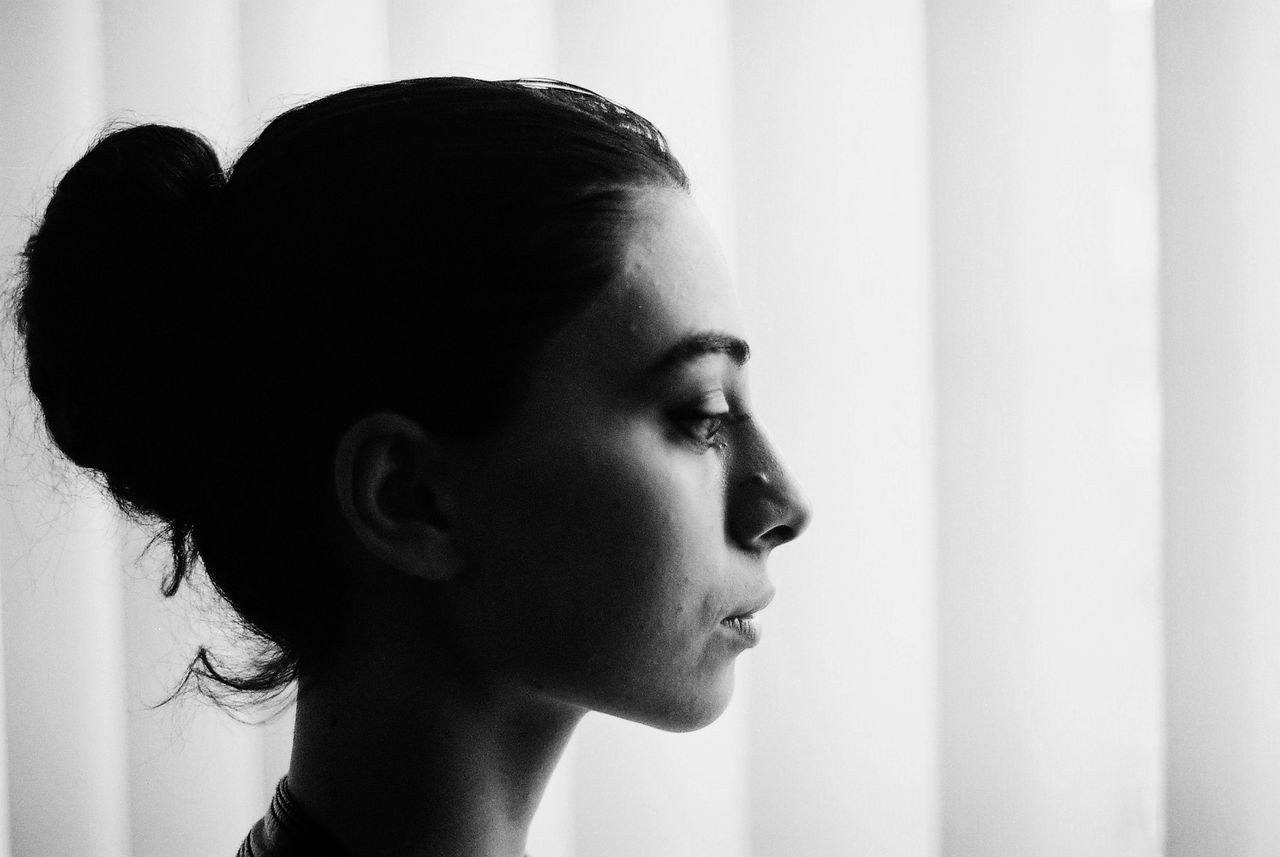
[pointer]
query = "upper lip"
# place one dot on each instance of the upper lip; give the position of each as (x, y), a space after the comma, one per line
(753, 606)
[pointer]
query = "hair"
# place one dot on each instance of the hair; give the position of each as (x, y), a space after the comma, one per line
(200, 339)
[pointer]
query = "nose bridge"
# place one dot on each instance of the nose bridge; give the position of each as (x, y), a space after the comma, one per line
(769, 508)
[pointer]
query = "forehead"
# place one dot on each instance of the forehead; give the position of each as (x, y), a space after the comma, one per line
(672, 281)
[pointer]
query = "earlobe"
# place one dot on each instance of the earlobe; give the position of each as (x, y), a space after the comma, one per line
(387, 473)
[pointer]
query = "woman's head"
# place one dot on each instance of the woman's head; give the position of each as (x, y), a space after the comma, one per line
(208, 341)
(594, 550)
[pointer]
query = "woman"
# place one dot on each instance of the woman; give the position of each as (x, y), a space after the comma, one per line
(443, 385)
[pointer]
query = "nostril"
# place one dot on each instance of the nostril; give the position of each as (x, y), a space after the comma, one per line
(779, 535)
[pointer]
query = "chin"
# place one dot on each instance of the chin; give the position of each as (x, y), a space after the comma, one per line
(683, 713)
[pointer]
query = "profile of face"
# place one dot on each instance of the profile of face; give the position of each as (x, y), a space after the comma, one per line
(612, 530)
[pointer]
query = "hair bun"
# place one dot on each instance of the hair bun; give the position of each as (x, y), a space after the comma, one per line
(111, 307)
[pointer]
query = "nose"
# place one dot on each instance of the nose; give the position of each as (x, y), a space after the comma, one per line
(766, 507)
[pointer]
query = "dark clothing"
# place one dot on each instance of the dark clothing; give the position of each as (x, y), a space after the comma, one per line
(286, 831)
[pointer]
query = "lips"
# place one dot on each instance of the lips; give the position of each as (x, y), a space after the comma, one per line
(748, 609)
(745, 627)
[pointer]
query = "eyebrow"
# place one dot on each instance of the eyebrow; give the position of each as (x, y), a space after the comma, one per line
(700, 344)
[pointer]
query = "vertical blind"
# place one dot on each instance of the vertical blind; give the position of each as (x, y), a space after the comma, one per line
(1009, 271)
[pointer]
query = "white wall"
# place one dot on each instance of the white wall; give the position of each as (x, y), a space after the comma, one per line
(1048, 527)
(1219, 135)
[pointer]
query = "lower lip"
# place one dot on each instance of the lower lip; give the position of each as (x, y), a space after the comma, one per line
(746, 627)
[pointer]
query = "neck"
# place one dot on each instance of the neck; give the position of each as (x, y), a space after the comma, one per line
(405, 756)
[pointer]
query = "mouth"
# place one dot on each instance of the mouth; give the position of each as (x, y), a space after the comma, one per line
(746, 626)
(744, 623)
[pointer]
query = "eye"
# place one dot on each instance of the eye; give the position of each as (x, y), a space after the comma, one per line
(705, 428)
(705, 421)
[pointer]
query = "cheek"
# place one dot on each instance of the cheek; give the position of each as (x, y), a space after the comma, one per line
(599, 553)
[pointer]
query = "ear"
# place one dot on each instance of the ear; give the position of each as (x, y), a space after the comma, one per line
(387, 471)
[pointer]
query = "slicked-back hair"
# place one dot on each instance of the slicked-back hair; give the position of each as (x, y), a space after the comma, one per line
(201, 339)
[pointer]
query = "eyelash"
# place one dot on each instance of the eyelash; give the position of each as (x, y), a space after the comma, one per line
(691, 421)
